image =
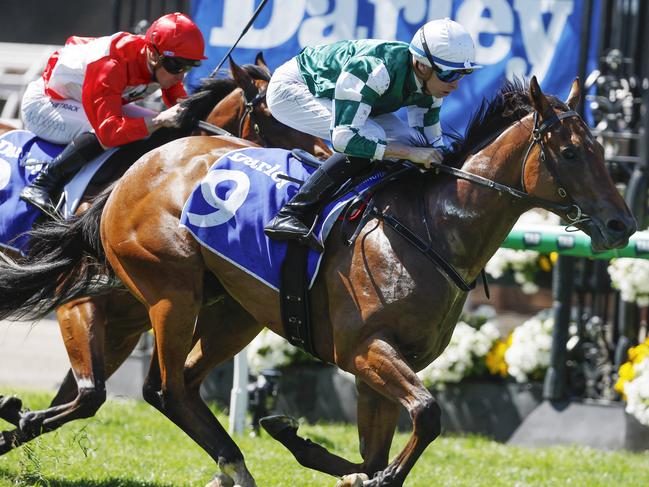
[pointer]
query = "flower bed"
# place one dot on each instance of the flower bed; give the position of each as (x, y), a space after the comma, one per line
(633, 383)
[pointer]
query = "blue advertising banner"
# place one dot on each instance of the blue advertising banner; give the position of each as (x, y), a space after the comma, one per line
(514, 38)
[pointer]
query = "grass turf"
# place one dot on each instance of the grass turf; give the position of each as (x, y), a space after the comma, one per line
(129, 444)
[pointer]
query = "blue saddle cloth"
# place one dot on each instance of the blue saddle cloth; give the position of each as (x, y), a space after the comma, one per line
(242, 192)
(20, 154)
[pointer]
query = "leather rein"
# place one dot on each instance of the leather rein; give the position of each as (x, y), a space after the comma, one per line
(426, 246)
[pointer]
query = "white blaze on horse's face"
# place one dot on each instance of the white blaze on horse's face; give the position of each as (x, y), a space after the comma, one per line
(225, 209)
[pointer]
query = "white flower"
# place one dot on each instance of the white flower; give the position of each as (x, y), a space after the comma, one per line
(637, 393)
(267, 351)
(521, 262)
(466, 347)
(530, 348)
(631, 278)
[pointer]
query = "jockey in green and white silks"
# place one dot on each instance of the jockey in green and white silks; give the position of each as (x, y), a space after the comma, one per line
(347, 92)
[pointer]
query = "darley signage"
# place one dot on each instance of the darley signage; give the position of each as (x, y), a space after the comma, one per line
(514, 38)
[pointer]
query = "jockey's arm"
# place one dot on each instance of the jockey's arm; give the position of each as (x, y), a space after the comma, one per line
(361, 83)
(102, 101)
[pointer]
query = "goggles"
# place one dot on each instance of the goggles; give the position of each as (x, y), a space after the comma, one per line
(177, 65)
(450, 75)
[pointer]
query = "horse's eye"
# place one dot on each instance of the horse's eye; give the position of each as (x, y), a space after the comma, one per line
(569, 153)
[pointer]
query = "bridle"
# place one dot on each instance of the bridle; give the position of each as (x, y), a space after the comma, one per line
(572, 210)
(425, 246)
(249, 111)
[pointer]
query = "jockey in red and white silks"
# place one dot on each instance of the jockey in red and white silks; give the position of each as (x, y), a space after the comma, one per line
(89, 85)
(85, 95)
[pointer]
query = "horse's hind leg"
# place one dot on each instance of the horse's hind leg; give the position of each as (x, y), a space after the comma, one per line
(82, 327)
(173, 295)
(222, 330)
(83, 391)
(377, 419)
(383, 368)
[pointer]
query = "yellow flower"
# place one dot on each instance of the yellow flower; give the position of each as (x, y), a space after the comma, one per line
(545, 263)
(619, 387)
(554, 256)
(626, 372)
(639, 353)
(495, 359)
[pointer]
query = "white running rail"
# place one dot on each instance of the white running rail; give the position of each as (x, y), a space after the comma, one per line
(19, 65)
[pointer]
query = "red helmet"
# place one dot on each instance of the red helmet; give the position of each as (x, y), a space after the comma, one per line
(175, 35)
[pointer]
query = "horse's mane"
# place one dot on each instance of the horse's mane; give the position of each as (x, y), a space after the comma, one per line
(493, 116)
(210, 92)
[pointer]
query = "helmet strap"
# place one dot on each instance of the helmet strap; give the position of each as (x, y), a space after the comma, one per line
(424, 44)
(153, 58)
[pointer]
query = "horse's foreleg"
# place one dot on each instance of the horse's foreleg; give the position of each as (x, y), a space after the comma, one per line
(384, 369)
(377, 421)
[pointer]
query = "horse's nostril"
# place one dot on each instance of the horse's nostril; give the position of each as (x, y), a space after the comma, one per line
(615, 225)
(619, 226)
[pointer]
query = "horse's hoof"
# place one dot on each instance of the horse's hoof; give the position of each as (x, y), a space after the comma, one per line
(278, 424)
(353, 480)
(31, 424)
(5, 443)
(10, 407)
(221, 480)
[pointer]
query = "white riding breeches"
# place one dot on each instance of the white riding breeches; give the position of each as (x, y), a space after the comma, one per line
(290, 101)
(60, 121)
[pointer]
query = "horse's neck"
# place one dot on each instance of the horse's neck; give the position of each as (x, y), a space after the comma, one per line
(473, 220)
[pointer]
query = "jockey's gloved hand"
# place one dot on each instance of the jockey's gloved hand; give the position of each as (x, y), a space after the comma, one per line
(424, 156)
(168, 118)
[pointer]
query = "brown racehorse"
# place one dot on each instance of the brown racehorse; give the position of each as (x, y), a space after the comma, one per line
(100, 332)
(381, 309)
(5, 127)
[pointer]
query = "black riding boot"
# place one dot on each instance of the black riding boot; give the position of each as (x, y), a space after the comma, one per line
(294, 220)
(83, 148)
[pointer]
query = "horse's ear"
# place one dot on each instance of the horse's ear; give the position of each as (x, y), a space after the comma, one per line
(539, 100)
(261, 62)
(574, 96)
(243, 80)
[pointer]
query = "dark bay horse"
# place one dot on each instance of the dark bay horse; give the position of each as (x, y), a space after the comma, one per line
(381, 310)
(101, 331)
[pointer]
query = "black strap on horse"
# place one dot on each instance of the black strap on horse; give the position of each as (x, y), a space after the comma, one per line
(423, 246)
(294, 298)
(294, 301)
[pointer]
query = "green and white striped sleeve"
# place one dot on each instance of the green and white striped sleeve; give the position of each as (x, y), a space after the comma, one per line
(426, 120)
(362, 81)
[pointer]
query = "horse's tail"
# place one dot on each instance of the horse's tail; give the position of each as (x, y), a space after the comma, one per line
(66, 260)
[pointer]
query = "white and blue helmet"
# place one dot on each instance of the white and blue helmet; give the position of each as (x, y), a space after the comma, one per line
(446, 44)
